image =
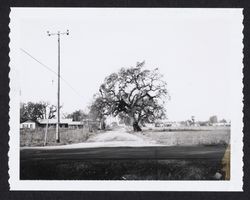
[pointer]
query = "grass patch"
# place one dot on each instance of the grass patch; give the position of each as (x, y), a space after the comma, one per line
(179, 137)
(36, 137)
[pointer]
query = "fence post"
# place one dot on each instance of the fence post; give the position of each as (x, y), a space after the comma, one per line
(46, 133)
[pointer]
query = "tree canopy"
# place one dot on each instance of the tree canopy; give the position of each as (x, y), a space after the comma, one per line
(133, 93)
(34, 111)
(213, 119)
(77, 115)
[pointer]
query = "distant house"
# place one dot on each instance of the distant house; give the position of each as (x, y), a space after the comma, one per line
(30, 124)
(166, 123)
(64, 123)
(222, 124)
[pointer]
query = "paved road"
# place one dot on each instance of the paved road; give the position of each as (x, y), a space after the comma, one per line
(159, 152)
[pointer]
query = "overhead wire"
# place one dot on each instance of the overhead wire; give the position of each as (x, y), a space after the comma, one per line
(48, 68)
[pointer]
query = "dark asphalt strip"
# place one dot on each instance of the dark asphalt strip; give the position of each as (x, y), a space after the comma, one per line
(174, 152)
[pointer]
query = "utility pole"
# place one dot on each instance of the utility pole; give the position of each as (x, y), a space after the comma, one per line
(58, 81)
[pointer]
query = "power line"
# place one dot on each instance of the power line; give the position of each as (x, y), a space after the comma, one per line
(48, 68)
(38, 61)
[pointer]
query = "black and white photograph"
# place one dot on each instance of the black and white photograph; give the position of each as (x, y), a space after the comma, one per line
(107, 98)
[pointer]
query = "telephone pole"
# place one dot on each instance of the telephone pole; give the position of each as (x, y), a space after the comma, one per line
(58, 81)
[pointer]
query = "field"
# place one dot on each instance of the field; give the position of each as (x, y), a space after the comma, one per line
(123, 136)
(188, 136)
(29, 137)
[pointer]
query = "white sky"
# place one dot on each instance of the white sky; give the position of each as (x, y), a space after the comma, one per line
(194, 48)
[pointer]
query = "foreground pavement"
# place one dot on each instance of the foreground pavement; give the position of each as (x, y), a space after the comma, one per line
(153, 152)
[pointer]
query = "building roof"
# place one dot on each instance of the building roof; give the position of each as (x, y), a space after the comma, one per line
(65, 121)
(54, 121)
(75, 123)
(29, 121)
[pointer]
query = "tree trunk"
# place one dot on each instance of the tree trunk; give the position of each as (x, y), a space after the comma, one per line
(103, 124)
(136, 127)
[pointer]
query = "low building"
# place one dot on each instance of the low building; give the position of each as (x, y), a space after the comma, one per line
(64, 123)
(30, 124)
(222, 124)
(166, 123)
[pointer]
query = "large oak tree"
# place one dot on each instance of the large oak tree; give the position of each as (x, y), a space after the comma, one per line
(133, 93)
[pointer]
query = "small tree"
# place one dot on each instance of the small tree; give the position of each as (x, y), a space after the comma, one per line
(34, 111)
(98, 110)
(213, 119)
(23, 113)
(135, 93)
(77, 115)
(223, 121)
(52, 111)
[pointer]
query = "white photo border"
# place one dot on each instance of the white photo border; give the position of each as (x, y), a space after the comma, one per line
(236, 180)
